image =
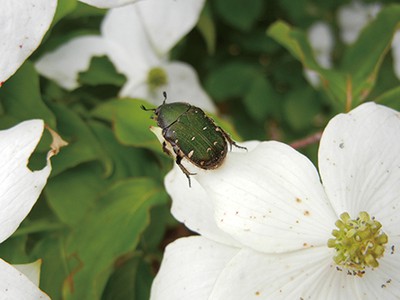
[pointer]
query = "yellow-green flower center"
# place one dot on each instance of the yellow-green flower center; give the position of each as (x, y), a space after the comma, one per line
(358, 243)
(156, 78)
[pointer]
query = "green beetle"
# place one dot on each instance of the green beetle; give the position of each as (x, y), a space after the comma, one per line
(192, 135)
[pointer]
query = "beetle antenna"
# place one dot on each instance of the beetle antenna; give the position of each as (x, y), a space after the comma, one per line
(147, 109)
(165, 97)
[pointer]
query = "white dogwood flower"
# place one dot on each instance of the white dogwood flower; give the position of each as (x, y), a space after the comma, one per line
(353, 17)
(23, 24)
(273, 228)
(322, 42)
(108, 3)
(19, 189)
(137, 39)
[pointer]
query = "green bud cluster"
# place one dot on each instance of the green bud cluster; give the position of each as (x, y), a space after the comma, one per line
(156, 78)
(358, 243)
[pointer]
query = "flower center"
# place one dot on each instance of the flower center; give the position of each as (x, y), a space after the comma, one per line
(358, 243)
(156, 78)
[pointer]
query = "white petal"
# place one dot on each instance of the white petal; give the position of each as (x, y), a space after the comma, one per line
(360, 164)
(353, 17)
(19, 186)
(304, 274)
(15, 285)
(312, 77)
(23, 24)
(108, 3)
(31, 271)
(183, 86)
(193, 207)
(270, 199)
(396, 53)
(190, 268)
(167, 21)
(321, 40)
(138, 88)
(63, 64)
(131, 50)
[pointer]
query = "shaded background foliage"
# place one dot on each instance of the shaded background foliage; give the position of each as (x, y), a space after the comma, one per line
(103, 220)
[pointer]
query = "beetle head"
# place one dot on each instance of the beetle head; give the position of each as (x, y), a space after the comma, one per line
(155, 110)
(167, 113)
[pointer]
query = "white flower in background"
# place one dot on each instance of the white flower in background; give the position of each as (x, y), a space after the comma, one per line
(396, 53)
(137, 39)
(266, 220)
(23, 24)
(108, 3)
(353, 17)
(19, 190)
(321, 40)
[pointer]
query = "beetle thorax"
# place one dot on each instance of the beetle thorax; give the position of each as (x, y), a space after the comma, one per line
(167, 114)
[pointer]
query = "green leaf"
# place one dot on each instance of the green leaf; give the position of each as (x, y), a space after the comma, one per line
(390, 98)
(206, 27)
(29, 226)
(300, 108)
(127, 161)
(54, 272)
(144, 280)
(131, 123)
(154, 233)
(121, 284)
(86, 10)
(361, 62)
(21, 98)
(231, 80)
(113, 228)
(83, 145)
(282, 33)
(13, 250)
(363, 59)
(261, 99)
(64, 8)
(131, 281)
(256, 43)
(84, 184)
(297, 11)
(239, 13)
(295, 41)
(101, 71)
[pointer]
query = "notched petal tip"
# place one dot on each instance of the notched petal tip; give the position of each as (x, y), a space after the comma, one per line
(20, 187)
(56, 144)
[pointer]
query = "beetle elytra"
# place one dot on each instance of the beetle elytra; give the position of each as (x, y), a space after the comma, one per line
(191, 134)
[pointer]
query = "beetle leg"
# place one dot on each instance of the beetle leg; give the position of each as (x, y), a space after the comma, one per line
(165, 149)
(179, 156)
(184, 170)
(230, 141)
(178, 159)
